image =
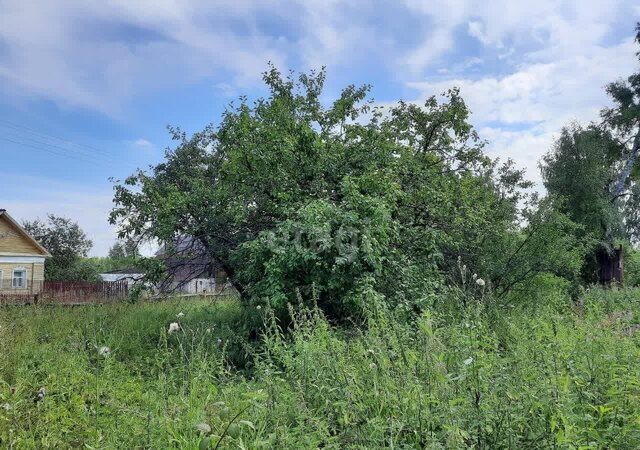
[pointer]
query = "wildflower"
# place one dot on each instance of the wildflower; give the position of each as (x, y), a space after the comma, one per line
(258, 307)
(219, 341)
(203, 428)
(480, 282)
(474, 276)
(180, 315)
(373, 366)
(6, 407)
(173, 326)
(209, 330)
(468, 361)
(104, 351)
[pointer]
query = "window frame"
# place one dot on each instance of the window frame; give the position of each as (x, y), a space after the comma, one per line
(24, 278)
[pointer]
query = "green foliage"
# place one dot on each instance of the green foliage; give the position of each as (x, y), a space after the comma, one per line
(594, 171)
(67, 243)
(326, 250)
(549, 244)
(288, 195)
(553, 376)
(580, 170)
(123, 250)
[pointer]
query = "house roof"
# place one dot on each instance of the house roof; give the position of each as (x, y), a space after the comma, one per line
(22, 231)
(128, 270)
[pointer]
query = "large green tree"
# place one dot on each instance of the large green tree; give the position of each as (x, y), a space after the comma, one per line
(580, 172)
(291, 197)
(594, 171)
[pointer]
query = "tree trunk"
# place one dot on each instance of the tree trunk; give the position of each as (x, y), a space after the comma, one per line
(628, 167)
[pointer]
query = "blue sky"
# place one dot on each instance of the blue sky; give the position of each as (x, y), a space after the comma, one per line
(88, 88)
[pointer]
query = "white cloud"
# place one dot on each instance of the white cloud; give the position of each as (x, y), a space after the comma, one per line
(521, 113)
(142, 143)
(100, 55)
(476, 29)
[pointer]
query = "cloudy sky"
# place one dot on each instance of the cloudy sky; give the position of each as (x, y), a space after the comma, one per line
(88, 87)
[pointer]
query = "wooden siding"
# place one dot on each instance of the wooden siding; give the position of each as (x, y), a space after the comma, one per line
(12, 241)
(35, 275)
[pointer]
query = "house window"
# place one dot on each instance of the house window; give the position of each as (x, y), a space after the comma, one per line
(19, 279)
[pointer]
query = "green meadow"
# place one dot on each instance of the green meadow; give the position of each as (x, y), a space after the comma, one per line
(234, 376)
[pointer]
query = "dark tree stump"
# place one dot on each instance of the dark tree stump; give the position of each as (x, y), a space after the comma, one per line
(610, 265)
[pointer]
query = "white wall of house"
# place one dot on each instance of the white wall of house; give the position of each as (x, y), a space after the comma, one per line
(198, 286)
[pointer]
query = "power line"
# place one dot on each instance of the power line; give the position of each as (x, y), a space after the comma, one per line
(53, 152)
(86, 150)
(64, 150)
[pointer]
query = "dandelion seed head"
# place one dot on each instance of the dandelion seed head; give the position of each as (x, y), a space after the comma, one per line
(173, 327)
(480, 282)
(104, 351)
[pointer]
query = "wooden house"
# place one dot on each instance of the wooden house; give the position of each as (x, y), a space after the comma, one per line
(21, 258)
(189, 270)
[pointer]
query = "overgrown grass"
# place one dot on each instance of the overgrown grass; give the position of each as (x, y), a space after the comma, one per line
(548, 377)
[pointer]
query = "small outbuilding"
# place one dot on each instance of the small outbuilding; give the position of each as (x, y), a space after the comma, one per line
(131, 275)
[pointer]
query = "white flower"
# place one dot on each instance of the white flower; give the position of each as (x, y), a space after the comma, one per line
(219, 341)
(372, 365)
(203, 428)
(173, 326)
(258, 307)
(104, 351)
(209, 330)
(474, 276)
(6, 407)
(180, 315)
(468, 361)
(480, 282)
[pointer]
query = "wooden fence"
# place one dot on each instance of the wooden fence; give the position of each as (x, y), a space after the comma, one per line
(66, 292)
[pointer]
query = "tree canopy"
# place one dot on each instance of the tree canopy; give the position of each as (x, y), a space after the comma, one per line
(67, 243)
(294, 198)
(593, 171)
